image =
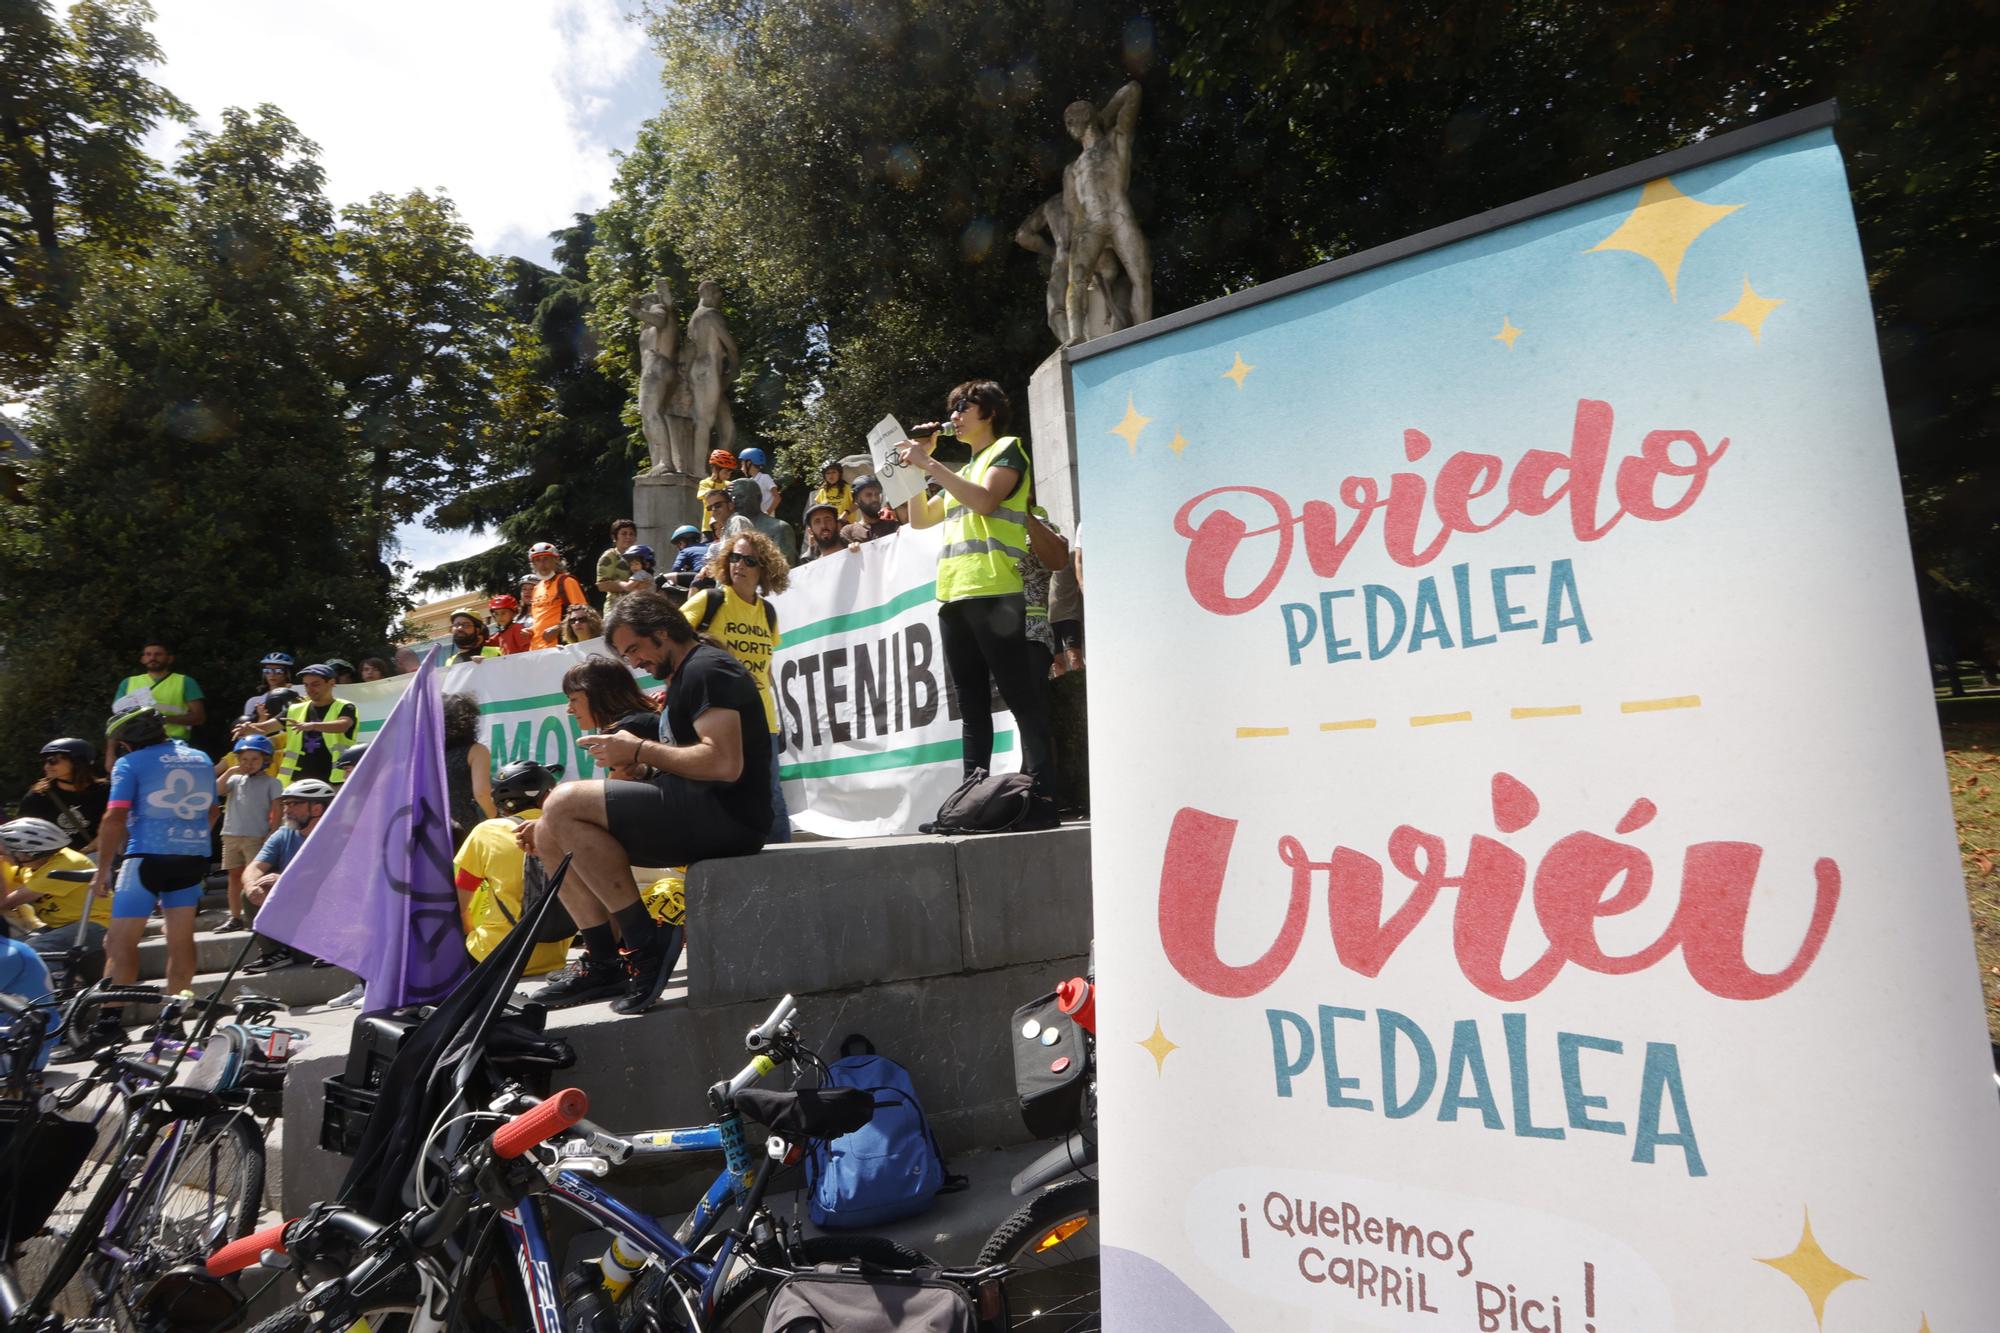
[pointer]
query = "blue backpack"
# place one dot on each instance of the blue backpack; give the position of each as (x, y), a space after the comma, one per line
(888, 1169)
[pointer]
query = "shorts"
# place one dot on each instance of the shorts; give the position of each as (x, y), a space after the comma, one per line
(669, 821)
(147, 881)
(240, 849)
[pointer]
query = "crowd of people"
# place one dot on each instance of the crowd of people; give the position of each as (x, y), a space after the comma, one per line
(691, 769)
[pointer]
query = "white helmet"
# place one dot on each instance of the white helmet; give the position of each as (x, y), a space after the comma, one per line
(308, 789)
(26, 839)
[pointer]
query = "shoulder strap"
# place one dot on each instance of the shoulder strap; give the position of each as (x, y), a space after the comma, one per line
(711, 607)
(770, 615)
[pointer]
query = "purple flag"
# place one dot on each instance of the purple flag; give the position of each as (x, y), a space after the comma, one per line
(372, 887)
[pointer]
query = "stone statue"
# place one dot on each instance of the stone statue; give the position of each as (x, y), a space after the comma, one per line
(1109, 301)
(710, 366)
(1099, 212)
(663, 393)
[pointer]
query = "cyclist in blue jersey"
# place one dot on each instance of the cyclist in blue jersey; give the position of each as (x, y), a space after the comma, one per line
(23, 973)
(155, 839)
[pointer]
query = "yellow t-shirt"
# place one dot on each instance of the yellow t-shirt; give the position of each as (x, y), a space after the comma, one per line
(61, 902)
(491, 853)
(707, 484)
(841, 497)
(746, 631)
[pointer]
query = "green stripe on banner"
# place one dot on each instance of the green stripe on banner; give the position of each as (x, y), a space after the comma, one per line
(527, 703)
(935, 752)
(873, 615)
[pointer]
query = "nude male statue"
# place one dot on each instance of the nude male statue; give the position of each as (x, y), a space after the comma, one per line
(1098, 208)
(1108, 308)
(659, 373)
(712, 360)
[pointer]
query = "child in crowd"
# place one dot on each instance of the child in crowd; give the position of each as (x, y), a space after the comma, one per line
(495, 879)
(756, 465)
(249, 814)
(834, 490)
(721, 471)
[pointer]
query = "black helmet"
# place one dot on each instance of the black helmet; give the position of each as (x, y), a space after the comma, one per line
(351, 755)
(832, 465)
(82, 751)
(524, 785)
(136, 728)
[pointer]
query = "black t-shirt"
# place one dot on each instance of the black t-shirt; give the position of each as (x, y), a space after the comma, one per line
(315, 755)
(80, 820)
(711, 678)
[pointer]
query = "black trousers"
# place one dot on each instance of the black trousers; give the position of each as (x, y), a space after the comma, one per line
(985, 643)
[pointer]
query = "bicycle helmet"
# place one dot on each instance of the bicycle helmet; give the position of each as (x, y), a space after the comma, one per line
(864, 481)
(543, 548)
(27, 839)
(82, 751)
(277, 660)
(261, 744)
(351, 756)
(757, 456)
(468, 615)
(721, 458)
(524, 785)
(831, 465)
(277, 701)
(136, 728)
(638, 551)
(686, 530)
(308, 789)
(506, 601)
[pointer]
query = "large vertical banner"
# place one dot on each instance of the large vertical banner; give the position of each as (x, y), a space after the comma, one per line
(1545, 912)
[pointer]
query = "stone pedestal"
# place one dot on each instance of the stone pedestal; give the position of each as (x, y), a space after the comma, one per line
(1052, 440)
(661, 503)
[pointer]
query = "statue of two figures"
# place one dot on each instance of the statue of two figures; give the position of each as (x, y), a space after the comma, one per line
(1100, 268)
(684, 380)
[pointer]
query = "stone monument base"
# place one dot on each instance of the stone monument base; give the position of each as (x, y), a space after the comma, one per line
(1052, 442)
(662, 502)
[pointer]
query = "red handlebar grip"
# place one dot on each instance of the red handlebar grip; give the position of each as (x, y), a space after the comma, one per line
(238, 1255)
(527, 1129)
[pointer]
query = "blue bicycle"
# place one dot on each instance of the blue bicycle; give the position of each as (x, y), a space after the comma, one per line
(446, 1263)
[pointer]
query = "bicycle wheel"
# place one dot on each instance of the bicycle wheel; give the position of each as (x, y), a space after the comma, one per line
(1051, 1244)
(294, 1319)
(743, 1300)
(208, 1192)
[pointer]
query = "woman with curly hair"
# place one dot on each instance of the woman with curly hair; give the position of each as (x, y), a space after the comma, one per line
(747, 567)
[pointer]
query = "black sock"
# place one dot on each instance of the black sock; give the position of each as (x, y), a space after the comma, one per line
(636, 926)
(599, 942)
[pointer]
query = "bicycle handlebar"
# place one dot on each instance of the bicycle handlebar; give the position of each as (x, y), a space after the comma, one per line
(764, 1033)
(545, 1121)
(238, 1255)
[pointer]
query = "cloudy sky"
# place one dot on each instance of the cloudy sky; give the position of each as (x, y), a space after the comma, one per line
(512, 107)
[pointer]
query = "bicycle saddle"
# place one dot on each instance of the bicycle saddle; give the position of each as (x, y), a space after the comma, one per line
(814, 1113)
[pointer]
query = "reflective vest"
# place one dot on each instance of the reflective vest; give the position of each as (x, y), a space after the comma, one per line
(982, 553)
(291, 743)
(169, 696)
(465, 655)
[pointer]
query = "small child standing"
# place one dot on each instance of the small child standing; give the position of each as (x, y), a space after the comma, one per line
(248, 817)
(834, 490)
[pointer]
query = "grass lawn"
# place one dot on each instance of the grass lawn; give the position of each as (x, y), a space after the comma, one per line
(1972, 757)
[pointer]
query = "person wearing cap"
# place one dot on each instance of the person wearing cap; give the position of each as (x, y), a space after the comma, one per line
(510, 636)
(757, 467)
(71, 793)
(249, 795)
(300, 807)
(556, 591)
(468, 639)
(744, 492)
(316, 730)
(51, 907)
(612, 579)
(496, 878)
(276, 670)
(875, 519)
(822, 532)
(155, 839)
(721, 471)
(690, 554)
(178, 698)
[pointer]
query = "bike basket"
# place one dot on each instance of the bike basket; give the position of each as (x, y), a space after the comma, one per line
(1051, 1067)
(40, 1153)
(343, 1117)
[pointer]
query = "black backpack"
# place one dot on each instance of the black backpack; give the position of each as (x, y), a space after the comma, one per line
(984, 803)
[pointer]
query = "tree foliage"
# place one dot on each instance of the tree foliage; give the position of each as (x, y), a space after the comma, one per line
(74, 182)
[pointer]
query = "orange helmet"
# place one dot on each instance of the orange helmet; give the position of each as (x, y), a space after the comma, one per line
(504, 602)
(721, 458)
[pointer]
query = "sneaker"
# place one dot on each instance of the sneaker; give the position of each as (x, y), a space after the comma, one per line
(646, 972)
(582, 982)
(231, 924)
(347, 997)
(270, 961)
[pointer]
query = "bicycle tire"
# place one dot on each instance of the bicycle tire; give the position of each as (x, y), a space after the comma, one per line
(1050, 1243)
(740, 1306)
(294, 1319)
(210, 1195)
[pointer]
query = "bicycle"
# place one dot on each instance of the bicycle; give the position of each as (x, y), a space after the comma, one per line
(168, 1172)
(422, 1273)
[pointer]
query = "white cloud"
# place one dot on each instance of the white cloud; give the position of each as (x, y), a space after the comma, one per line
(513, 108)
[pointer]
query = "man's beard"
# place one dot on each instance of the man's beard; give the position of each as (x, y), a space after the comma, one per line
(467, 640)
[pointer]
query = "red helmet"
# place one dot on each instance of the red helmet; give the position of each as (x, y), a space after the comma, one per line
(721, 458)
(504, 602)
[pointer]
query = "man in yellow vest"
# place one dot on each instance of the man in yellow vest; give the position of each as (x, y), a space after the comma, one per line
(175, 697)
(468, 639)
(982, 616)
(316, 731)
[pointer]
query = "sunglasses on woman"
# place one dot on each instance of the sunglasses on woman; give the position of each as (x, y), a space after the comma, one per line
(739, 558)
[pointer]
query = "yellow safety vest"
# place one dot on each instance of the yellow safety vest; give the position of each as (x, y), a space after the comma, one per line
(982, 553)
(169, 696)
(291, 744)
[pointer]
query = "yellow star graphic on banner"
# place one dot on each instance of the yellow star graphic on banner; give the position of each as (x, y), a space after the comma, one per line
(1662, 228)
(1816, 1274)
(1926, 1325)
(1130, 426)
(1159, 1047)
(1751, 311)
(1239, 372)
(1178, 443)
(1508, 333)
